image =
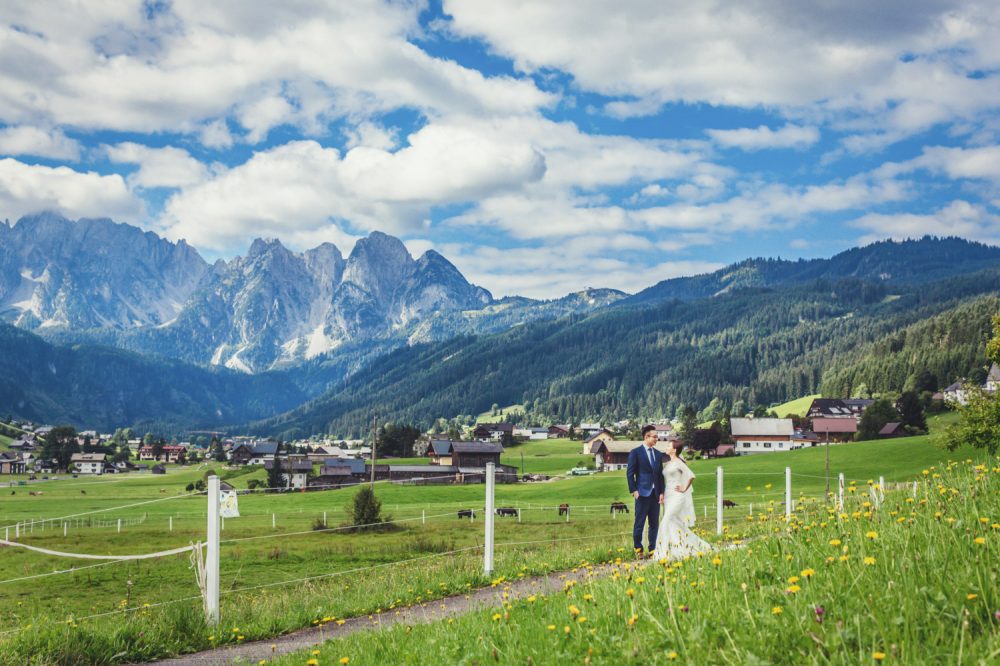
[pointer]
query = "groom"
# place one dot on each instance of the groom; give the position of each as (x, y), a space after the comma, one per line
(645, 482)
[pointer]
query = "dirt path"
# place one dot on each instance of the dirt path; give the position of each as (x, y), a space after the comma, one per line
(251, 653)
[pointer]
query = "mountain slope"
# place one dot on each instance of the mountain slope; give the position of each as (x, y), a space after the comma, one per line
(749, 346)
(895, 263)
(105, 388)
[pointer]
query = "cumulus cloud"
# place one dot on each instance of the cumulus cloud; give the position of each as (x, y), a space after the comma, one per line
(26, 188)
(763, 137)
(38, 142)
(903, 66)
(184, 66)
(158, 167)
(981, 163)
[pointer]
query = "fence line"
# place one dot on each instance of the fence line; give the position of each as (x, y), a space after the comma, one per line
(112, 508)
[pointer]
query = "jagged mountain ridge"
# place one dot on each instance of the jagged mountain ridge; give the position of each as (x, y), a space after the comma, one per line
(98, 281)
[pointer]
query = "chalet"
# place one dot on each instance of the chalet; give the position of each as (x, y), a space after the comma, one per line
(857, 405)
(892, 429)
(492, 432)
(475, 454)
(665, 433)
(762, 435)
(835, 429)
(256, 454)
(295, 473)
(23, 443)
(334, 477)
(354, 466)
(955, 394)
(531, 433)
(613, 455)
(558, 431)
(590, 429)
(603, 435)
(87, 463)
(171, 453)
(804, 439)
(832, 408)
(12, 463)
(439, 451)
(721, 451)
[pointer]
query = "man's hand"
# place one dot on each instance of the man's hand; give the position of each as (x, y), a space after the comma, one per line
(661, 498)
(635, 494)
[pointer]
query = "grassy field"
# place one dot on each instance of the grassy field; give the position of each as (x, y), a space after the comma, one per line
(798, 406)
(911, 582)
(489, 417)
(381, 568)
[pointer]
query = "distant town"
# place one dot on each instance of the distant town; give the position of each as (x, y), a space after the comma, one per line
(459, 457)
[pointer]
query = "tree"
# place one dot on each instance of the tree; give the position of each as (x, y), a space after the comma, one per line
(275, 475)
(689, 423)
(397, 440)
(706, 439)
(875, 417)
(366, 511)
(217, 451)
(911, 411)
(158, 448)
(60, 445)
(980, 416)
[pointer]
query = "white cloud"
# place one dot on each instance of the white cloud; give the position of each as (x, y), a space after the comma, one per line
(38, 142)
(763, 137)
(158, 167)
(958, 218)
(26, 188)
(187, 66)
(371, 135)
(901, 66)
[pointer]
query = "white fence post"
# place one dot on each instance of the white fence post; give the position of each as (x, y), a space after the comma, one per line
(488, 546)
(914, 490)
(567, 514)
(6, 534)
(119, 525)
(64, 529)
(171, 523)
(324, 520)
(423, 517)
(274, 522)
(881, 489)
(840, 492)
(212, 554)
(788, 493)
(718, 500)
(17, 530)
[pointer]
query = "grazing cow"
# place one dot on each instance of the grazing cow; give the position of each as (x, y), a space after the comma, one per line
(618, 507)
(506, 511)
(466, 513)
(563, 509)
(163, 490)
(83, 492)
(33, 493)
(728, 503)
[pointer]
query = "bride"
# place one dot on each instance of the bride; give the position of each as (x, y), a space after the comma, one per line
(675, 539)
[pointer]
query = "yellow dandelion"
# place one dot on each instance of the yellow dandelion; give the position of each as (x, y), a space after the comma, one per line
(980, 540)
(878, 656)
(777, 610)
(970, 597)
(834, 542)
(869, 560)
(807, 573)
(872, 535)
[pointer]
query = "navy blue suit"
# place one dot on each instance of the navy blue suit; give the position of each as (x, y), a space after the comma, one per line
(648, 480)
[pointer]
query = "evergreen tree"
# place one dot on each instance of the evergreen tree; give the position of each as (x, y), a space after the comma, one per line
(911, 411)
(60, 445)
(689, 424)
(275, 475)
(980, 416)
(875, 417)
(366, 510)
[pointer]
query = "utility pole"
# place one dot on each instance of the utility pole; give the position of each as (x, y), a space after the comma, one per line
(374, 443)
(828, 463)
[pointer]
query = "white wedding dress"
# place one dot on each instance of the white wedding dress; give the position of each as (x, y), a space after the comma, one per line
(675, 538)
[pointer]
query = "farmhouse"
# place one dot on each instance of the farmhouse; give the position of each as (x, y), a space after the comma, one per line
(256, 454)
(558, 431)
(762, 435)
(603, 435)
(833, 408)
(531, 433)
(295, 473)
(440, 451)
(88, 463)
(171, 453)
(664, 433)
(835, 429)
(492, 432)
(613, 455)
(12, 463)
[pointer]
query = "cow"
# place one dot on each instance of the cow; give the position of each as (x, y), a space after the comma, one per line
(728, 503)
(563, 509)
(506, 511)
(466, 513)
(83, 492)
(618, 507)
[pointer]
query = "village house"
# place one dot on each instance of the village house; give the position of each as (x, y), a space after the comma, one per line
(835, 429)
(531, 433)
(88, 463)
(171, 453)
(762, 435)
(12, 463)
(589, 429)
(439, 451)
(253, 454)
(492, 432)
(603, 435)
(664, 433)
(832, 408)
(558, 431)
(611, 455)
(294, 472)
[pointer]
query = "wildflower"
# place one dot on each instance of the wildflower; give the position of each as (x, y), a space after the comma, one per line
(793, 589)
(834, 542)
(671, 655)
(551, 627)
(776, 610)
(793, 579)
(980, 540)
(878, 656)
(970, 597)
(632, 620)
(315, 653)
(685, 609)
(820, 612)
(630, 592)
(869, 560)
(345, 660)
(717, 561)
(312, 662)
(807, 573)
(581, 619)
(496, 616)
(872, 535)
(532, 599)
(566, 629)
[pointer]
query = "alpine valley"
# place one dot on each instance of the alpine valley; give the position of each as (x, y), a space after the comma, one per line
(108, 325)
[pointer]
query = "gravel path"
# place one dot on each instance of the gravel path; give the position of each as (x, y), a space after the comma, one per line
(253, 652)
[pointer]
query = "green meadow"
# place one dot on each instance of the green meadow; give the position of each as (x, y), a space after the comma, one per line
(279, 574)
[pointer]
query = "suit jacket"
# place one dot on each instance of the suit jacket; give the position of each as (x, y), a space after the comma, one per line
(641, 476)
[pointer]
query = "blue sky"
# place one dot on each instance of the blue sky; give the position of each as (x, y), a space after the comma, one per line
(541, 146)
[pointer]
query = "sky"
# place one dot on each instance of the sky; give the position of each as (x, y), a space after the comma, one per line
(542, 146)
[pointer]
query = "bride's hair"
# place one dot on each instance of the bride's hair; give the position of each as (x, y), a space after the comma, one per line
(678, 448)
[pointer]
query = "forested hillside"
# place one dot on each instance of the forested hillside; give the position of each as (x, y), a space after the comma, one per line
(746, 347)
